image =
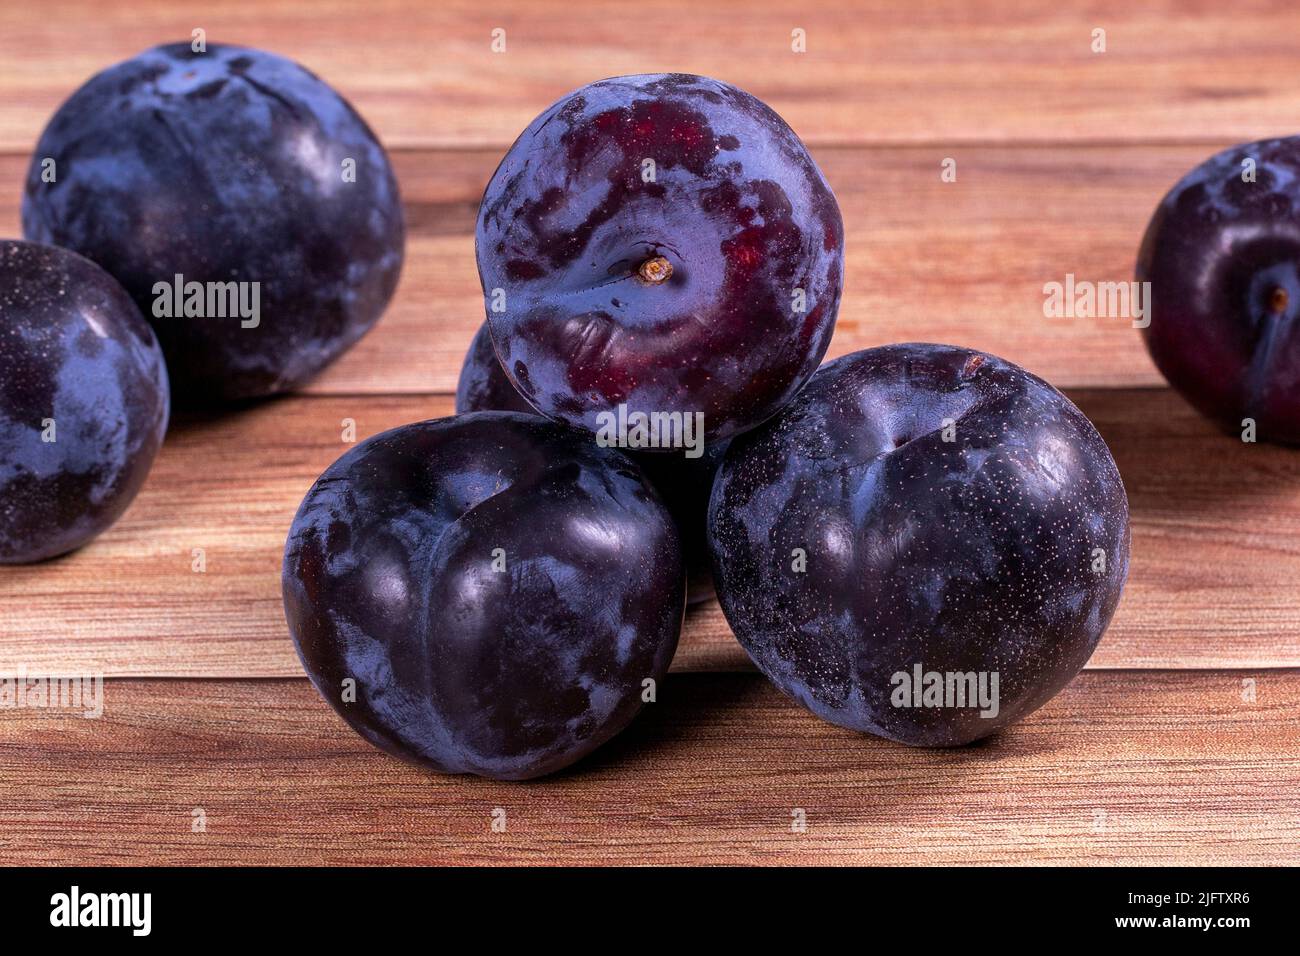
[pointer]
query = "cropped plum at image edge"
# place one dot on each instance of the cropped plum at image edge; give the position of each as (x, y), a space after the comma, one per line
(83, 401)
(1222, 254)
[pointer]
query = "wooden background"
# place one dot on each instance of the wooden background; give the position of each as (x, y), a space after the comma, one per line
(1179, 744)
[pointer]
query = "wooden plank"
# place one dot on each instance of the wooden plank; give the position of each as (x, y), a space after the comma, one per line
(1216, 548)
(1122, 767)
(424, 74)
(963, 263)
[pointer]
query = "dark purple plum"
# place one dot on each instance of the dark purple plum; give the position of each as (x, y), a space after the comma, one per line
(683, 483)
(83, 401)
(483, 386)
(229, 166)
(663, 242)
(497, 586)
(1222, 254)
(858, 551)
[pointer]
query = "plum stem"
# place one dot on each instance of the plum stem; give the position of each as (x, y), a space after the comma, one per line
(1279, 300)
(1258, 372)
(655, 270)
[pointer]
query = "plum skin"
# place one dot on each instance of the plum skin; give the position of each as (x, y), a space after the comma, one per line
(677, 294)
(1223, 259)
(226, 166)
(389, 580)
(683, 483)
(483, 386)
(73, 348)
(975, 555)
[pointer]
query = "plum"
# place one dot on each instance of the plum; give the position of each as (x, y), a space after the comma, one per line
(483, 386)
(83, 401)
(488, 593)
(920, 510)
(248, 178)
(683, 483)
(664, 243)
(1222, 254)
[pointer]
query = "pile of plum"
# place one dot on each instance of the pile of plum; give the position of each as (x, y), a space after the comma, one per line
(919, 541)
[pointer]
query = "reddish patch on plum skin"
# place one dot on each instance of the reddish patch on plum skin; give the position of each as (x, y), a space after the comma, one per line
(813, 320)
(830, 235)
(744, 252)
(613, 380)
(669, 134)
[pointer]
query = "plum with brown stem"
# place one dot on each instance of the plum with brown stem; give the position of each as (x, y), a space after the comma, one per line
(663, 242)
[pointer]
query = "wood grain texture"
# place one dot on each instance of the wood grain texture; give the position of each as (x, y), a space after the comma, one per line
(1156, 754)
(1216, 548)
(962, 263)
(1122, 767)
(950, 71)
